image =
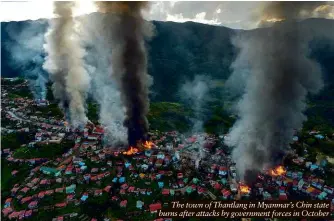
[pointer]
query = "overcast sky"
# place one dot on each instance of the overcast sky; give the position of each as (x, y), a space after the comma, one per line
(235, 14)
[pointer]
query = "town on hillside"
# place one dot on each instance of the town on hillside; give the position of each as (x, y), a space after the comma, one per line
(51, 172)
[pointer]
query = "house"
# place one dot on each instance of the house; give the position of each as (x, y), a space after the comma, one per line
(59, 190)
(165, 192)
(123, 203)
(7, 211)
(98, 192)
(226, 194)
(44, 182)
(195, 180)
(180, 183)
(161, 184)
(180, 175)
(200, 190)
(8, 202)
(319, 136)
(161, 155)
(328, 189)
(124, 186)
(213, 168)
(25, 190)
(69, 170)
(283, 196)
(142, 191)
(107, 189)
(28, 214)
(159, 163)
(115, 198)
(32, 205)
(322, 196)
(70, 189)
(217, 186)
(222, 171)
(61, 205)
(41, 195)
(139, 204)
(93, 137)
(314, 167)
(98, 130)
(121, 179)
(189, 190)
(94, 170)
(70, 197)
(49, 192)
(13, 215)
(25, 199)
(50, 171)
(84, 197)
(148, 153)
(233, 188)
(155, 207)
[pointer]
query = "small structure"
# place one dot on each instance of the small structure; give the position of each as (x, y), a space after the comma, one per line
(155, 207)
(70, 189)
(50, 171)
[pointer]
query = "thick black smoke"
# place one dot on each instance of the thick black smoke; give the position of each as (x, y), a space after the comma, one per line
(281, 75)
(129, 63)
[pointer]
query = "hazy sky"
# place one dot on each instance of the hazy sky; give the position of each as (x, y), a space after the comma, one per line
(235, 14)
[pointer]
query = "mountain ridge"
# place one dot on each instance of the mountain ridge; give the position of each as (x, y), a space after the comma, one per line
(180, 51)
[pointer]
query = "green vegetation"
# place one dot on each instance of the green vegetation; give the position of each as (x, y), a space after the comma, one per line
(219, 122)
(7, 180)
(6, 82)
(50, 151)
(326, 147)
(166, 116)
(49, 93)
(93, 111)
(15, 140)
(20, 92)
(51, 110)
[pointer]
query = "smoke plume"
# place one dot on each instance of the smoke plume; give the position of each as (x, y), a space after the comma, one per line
(281, 75)
(103, 88)
(65, 64)
(194, 93)
(129, 63)
(26, 54)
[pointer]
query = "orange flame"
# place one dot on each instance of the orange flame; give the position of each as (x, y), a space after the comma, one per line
(148, 144)
(278, 171)
(131, 151)
(244, 189)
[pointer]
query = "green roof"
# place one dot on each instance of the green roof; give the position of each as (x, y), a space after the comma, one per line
(49, 170)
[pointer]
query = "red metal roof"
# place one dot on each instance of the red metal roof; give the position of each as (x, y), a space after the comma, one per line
(155, 207)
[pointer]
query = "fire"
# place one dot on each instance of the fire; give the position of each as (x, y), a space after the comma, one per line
(148, 144)
(244, 189)
(131, 151)
(278, 171)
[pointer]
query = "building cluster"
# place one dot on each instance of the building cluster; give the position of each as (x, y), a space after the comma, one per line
(173, 167)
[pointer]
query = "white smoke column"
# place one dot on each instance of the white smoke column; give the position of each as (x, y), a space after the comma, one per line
(195, 94)
(103, 89)
(26, 52)
(65, 64)
(282, 74)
